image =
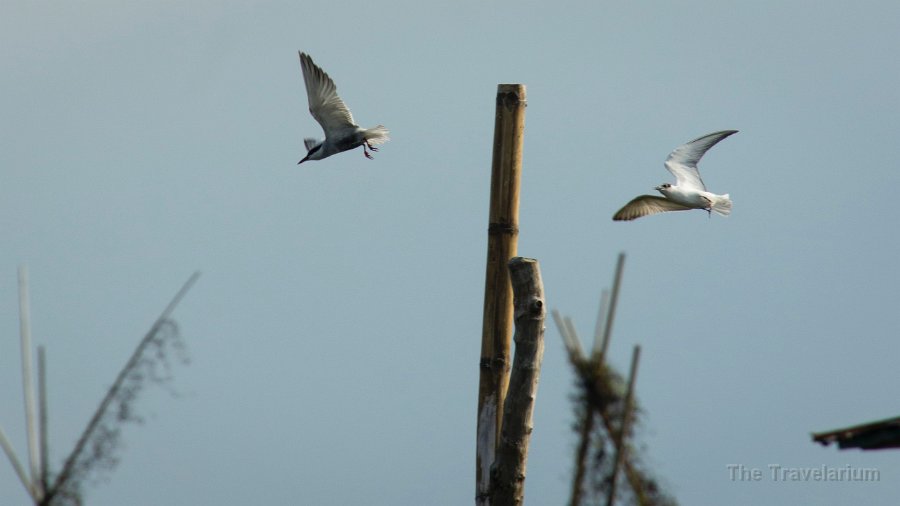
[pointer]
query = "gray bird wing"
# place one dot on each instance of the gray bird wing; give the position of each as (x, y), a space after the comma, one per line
(324, 103)
(646, 205)
(310, 143)
(682, 162)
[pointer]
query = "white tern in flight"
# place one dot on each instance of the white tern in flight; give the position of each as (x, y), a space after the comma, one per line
(341, 132)
(688, 192)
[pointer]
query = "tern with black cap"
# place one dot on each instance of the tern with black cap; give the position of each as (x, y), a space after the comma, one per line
(688, 192)
(341, 132)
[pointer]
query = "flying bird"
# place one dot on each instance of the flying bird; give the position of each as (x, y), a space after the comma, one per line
(341, 132)
(688, 192)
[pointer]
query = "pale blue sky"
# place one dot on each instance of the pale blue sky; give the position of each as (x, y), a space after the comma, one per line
(335, 330)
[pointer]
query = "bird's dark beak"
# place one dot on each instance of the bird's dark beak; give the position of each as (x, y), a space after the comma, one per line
(305, 158)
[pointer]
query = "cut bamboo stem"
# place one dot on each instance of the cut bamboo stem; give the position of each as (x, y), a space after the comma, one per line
(508, 471)
(621, 435)
(503, 229)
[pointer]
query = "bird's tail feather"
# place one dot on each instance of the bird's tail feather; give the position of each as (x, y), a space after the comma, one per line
(377, 135)
(722, 205)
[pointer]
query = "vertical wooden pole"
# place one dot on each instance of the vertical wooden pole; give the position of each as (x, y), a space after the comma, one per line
(503, 229)
(508, 471)
(620, 437)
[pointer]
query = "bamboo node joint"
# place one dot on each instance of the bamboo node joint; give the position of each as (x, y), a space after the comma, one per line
(502, 228)
(494, 363)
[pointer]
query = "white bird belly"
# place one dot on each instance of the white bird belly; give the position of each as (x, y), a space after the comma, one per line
(694, 199)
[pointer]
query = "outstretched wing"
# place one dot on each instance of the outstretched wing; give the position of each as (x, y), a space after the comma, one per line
(682, 162)
(324, 103)
(646, 205)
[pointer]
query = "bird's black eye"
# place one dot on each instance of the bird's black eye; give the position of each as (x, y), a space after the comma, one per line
(666, 185)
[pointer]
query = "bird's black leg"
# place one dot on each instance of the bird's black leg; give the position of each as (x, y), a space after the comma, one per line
(366, 152)
(371, 147)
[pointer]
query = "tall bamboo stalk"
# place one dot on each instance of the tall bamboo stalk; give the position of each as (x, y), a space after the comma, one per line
(610, 315)
(503, 229)
(508, 471)
(620, 436)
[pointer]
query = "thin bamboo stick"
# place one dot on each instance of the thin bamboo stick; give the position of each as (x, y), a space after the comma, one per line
(42, 418)
(17, 465)
(601, 322)
(573, 333)
(34, 455)
(584, 444)
(560, 325)
(503, 229)
(632, 474)
(613, 300)
(620, 437)
(573, 347)
(570, 339)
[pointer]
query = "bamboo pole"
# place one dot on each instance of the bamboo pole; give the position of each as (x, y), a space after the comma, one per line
(42, 419)
(503, 229)
(586, 424)
(573, 334)
(620, 437)
(632, 474)
(601, 323)
(508, 471)
(613, 300)
(34, 455)
(584, 444)
(17, 465)
(570, 339)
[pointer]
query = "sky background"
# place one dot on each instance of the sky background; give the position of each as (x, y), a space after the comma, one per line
(335, 331)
